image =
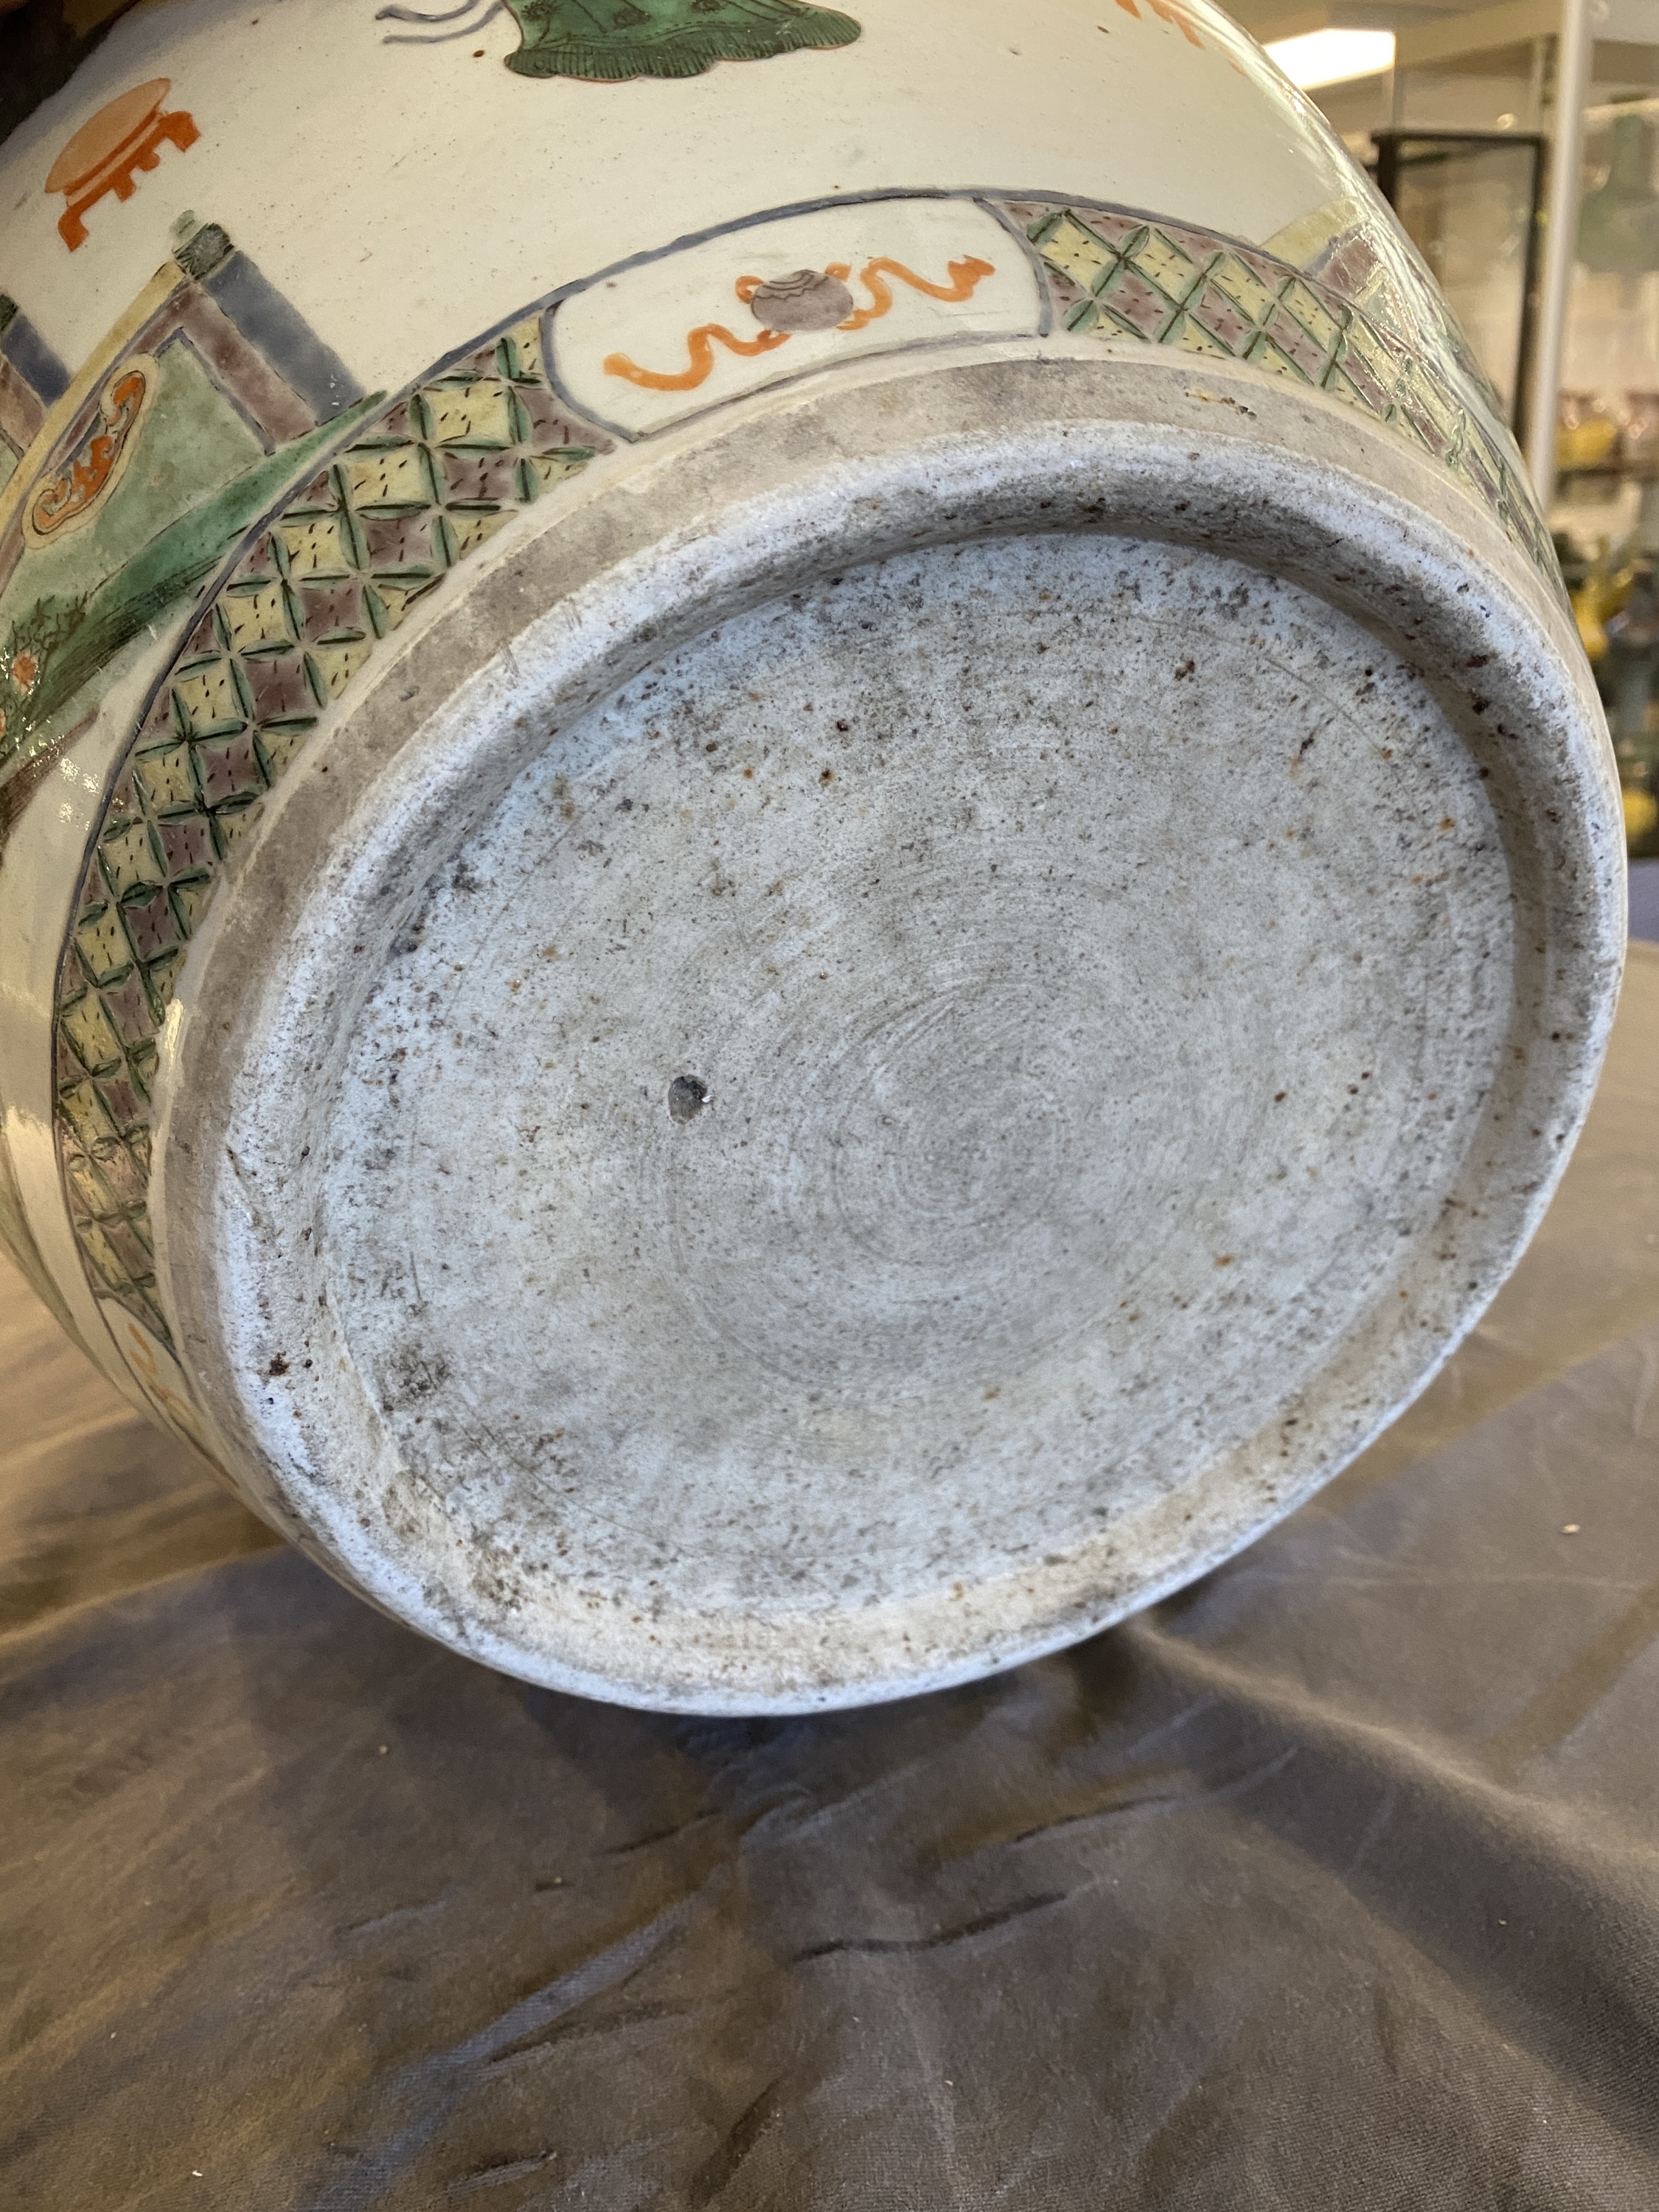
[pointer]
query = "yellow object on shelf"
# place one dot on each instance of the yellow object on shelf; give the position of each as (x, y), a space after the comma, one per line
(1586, 434)
(1603, 592)
(1641, 813)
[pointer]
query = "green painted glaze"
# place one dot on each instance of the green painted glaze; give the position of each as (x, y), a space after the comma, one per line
(55, 643)
(608, 40)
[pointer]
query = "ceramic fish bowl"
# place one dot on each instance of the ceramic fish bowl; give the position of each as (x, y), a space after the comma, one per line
(805, 863)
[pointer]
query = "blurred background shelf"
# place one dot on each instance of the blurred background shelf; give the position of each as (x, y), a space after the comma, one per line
(1518, 145)
(1644, 901)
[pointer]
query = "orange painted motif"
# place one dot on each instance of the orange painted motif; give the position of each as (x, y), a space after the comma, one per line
(1171, 12)
(965, 276)
(700, 344)
(66, 500)
(101, 157)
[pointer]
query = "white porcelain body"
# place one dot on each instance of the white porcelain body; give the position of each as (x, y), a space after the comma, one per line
(453, 439)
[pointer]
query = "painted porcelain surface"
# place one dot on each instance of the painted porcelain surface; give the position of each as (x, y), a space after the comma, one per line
(376, 390)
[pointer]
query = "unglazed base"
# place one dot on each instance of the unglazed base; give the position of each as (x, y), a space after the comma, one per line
(839, 1114)
(909, 1079)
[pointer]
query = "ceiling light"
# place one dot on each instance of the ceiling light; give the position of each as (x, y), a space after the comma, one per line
(1334, 56)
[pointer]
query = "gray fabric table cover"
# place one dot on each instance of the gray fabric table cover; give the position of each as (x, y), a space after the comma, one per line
(1331, 1883)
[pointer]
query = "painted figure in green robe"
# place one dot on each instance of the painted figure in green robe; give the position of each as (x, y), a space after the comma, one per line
(607, 40)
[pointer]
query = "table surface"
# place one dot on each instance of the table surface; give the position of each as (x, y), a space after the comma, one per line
(1332, 1882)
